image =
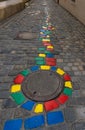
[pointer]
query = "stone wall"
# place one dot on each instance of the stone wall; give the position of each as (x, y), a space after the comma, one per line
(76, 8)
(7, 8)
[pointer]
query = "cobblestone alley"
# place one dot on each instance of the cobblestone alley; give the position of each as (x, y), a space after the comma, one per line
(43, 36)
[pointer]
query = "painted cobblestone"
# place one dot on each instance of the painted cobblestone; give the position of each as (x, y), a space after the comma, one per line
(28, 105)
(15, 88)
(39, 108)
(51, 105)
(19, 79)
(69, 55)
(18, 97)
(46, 66)
(13, 124)
(55, 118)
(34, 122)
(62, 99)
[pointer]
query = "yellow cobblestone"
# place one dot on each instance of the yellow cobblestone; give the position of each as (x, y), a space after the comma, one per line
(39, 108)
(50, 47)
(42, 55)
(68, 84)
(60, 71)
(46, 40)
(45, 67)
(15, 88)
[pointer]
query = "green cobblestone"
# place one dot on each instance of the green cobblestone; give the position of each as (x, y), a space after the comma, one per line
(67, 91)
(25, 72)
(18, 98)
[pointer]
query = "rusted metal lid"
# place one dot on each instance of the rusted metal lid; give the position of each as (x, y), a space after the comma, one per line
(43, 85)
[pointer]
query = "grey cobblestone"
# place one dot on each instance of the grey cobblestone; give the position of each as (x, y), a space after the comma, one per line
(8, 103)
(78, 101)
(4, 94)
(6, 114)
(76, 93)
(21, 113)
(1, 124)
(4, 86)
(59, 127)
(79, 126)
(6, 80)
(73, 114)
(1, 104)
(16, 55)
(70, 115)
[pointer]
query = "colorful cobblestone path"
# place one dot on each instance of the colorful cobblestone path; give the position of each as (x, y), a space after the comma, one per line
(44, 62)
(46, 54)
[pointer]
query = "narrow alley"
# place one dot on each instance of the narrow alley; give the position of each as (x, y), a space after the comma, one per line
(21, 38)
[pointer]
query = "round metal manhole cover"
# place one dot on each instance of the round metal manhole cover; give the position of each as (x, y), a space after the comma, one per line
(43, 86)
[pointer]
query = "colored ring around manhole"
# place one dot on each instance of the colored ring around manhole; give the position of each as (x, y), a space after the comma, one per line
(18, 89)
(43, 86)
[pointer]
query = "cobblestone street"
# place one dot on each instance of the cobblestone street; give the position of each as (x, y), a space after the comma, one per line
(18, 54)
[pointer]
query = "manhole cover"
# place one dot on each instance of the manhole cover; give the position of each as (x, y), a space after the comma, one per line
(43, 86)
(26, 35)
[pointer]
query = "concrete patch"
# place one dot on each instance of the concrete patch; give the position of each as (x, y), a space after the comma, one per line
(26, 35)
(80, 112)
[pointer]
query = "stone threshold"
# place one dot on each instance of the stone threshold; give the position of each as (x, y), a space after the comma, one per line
(10, 7)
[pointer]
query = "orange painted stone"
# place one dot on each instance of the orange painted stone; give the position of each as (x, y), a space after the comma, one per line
(62, 98)
(51, 105)
(67, 77)
(19, 79)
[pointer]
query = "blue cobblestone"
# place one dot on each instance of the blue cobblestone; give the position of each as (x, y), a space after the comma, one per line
(13, 124)
(28, 105)
(50, 55)
(53, 68)
(55, 118)
(34, 68)
(34, 122)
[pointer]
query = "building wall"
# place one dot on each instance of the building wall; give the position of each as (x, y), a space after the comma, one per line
(77, 8)
(10, 7)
